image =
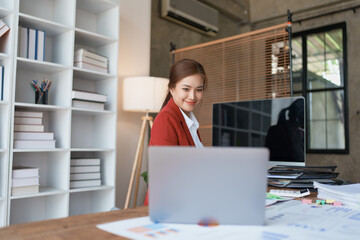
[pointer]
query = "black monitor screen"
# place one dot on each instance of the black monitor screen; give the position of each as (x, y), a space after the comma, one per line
(276, 123)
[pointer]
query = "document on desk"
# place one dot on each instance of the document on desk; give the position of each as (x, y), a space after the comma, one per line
(288, 220)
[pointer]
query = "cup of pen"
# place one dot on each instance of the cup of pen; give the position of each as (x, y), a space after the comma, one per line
(41, 97)
(41, 91)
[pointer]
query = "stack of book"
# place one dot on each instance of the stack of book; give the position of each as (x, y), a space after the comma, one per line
(25, 180)
(85, 172)
(301, 176)
(88, 100)
(29, 131)
(31, 43)
(91, 61)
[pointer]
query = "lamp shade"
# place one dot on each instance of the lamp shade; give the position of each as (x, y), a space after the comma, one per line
(144, 94)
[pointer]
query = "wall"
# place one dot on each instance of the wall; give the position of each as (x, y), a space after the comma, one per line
(270, 12)
(134, 60)
(163, 32)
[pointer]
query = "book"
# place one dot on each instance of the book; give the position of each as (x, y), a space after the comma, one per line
(88, 105)
(85, 161)
(84, 169)
(85, 183)
(28, 128)
(34, 143)
(22, 182)
(89, 66)
(91, 60)
(40, 45)
(24, 172)
(4, 28)
(98, 59)
(84, 176)
(27, 120)
(28, 114)
(17, 191)
(31, 43)
(2, 81)
(33, 136)
(23, 42)
(89, 96)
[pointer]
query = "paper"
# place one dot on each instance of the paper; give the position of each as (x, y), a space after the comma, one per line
(288, 220)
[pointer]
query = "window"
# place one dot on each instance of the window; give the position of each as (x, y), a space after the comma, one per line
(320, 75)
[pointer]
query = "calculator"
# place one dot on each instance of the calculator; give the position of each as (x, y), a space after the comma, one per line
(290, 193)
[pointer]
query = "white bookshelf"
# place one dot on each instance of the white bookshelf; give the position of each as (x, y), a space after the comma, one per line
(79, 133)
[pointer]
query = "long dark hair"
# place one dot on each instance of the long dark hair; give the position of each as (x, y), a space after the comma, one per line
(181, 70)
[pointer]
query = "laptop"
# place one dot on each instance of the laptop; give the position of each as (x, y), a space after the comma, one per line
(209, 186)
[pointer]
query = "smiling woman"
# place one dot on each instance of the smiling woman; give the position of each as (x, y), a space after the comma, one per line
(176, 124)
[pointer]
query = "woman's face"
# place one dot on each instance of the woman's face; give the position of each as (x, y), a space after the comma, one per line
(188, 92)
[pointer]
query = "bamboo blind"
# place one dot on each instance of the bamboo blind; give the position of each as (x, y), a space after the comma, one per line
(253, 65)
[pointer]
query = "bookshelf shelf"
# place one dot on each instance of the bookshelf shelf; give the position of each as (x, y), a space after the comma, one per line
(78, 133)
(51, 28)
(43, 191)
(75, 190)
(92, 39)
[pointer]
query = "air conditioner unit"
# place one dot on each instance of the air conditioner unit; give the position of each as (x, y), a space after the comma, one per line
(192, 14)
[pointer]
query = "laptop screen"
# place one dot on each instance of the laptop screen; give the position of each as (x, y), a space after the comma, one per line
(276, 123)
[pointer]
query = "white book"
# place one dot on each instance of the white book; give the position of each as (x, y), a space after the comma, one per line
(23, 42)
(85, 183)
(17, 191)
(24, 172)
(89, 96)
(27, 120)
(33, 136)
(32, 44)
(85, 161)
(28, 114)
(2, 81)
(4, 28)
(88, 105)
(40, 45)
(34, 143)
(28, 128)
(84, 176)
(82, 53)
(91, 67)
(22, 182)
(90, 60)
(84, 169)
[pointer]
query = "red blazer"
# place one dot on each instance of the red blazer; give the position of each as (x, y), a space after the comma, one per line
(170, 128)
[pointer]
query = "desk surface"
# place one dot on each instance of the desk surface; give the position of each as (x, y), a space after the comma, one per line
(74, 227)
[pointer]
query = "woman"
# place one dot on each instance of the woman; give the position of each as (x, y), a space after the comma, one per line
(176, 124)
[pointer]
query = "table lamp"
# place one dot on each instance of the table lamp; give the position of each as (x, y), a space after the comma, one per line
(142, 94)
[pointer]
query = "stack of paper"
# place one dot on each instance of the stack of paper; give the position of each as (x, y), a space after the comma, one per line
(346, 194)
(25, 180)
(29, 131)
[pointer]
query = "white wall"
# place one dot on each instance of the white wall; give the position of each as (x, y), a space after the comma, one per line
(134, 60)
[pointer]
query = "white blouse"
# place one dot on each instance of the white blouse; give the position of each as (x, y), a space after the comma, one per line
(193, 126)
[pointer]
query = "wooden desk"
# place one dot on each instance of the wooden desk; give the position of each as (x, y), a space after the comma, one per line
(74, 227)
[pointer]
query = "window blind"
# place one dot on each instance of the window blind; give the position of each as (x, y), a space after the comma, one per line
(253, 65)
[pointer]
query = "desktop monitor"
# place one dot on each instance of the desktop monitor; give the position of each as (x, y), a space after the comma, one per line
(276, 123)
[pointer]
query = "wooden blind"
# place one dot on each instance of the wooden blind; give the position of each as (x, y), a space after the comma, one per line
(253, 65)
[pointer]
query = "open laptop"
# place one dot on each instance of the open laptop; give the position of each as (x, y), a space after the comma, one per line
(211, 185)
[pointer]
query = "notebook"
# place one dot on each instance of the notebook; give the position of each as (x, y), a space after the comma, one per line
(210, 186)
